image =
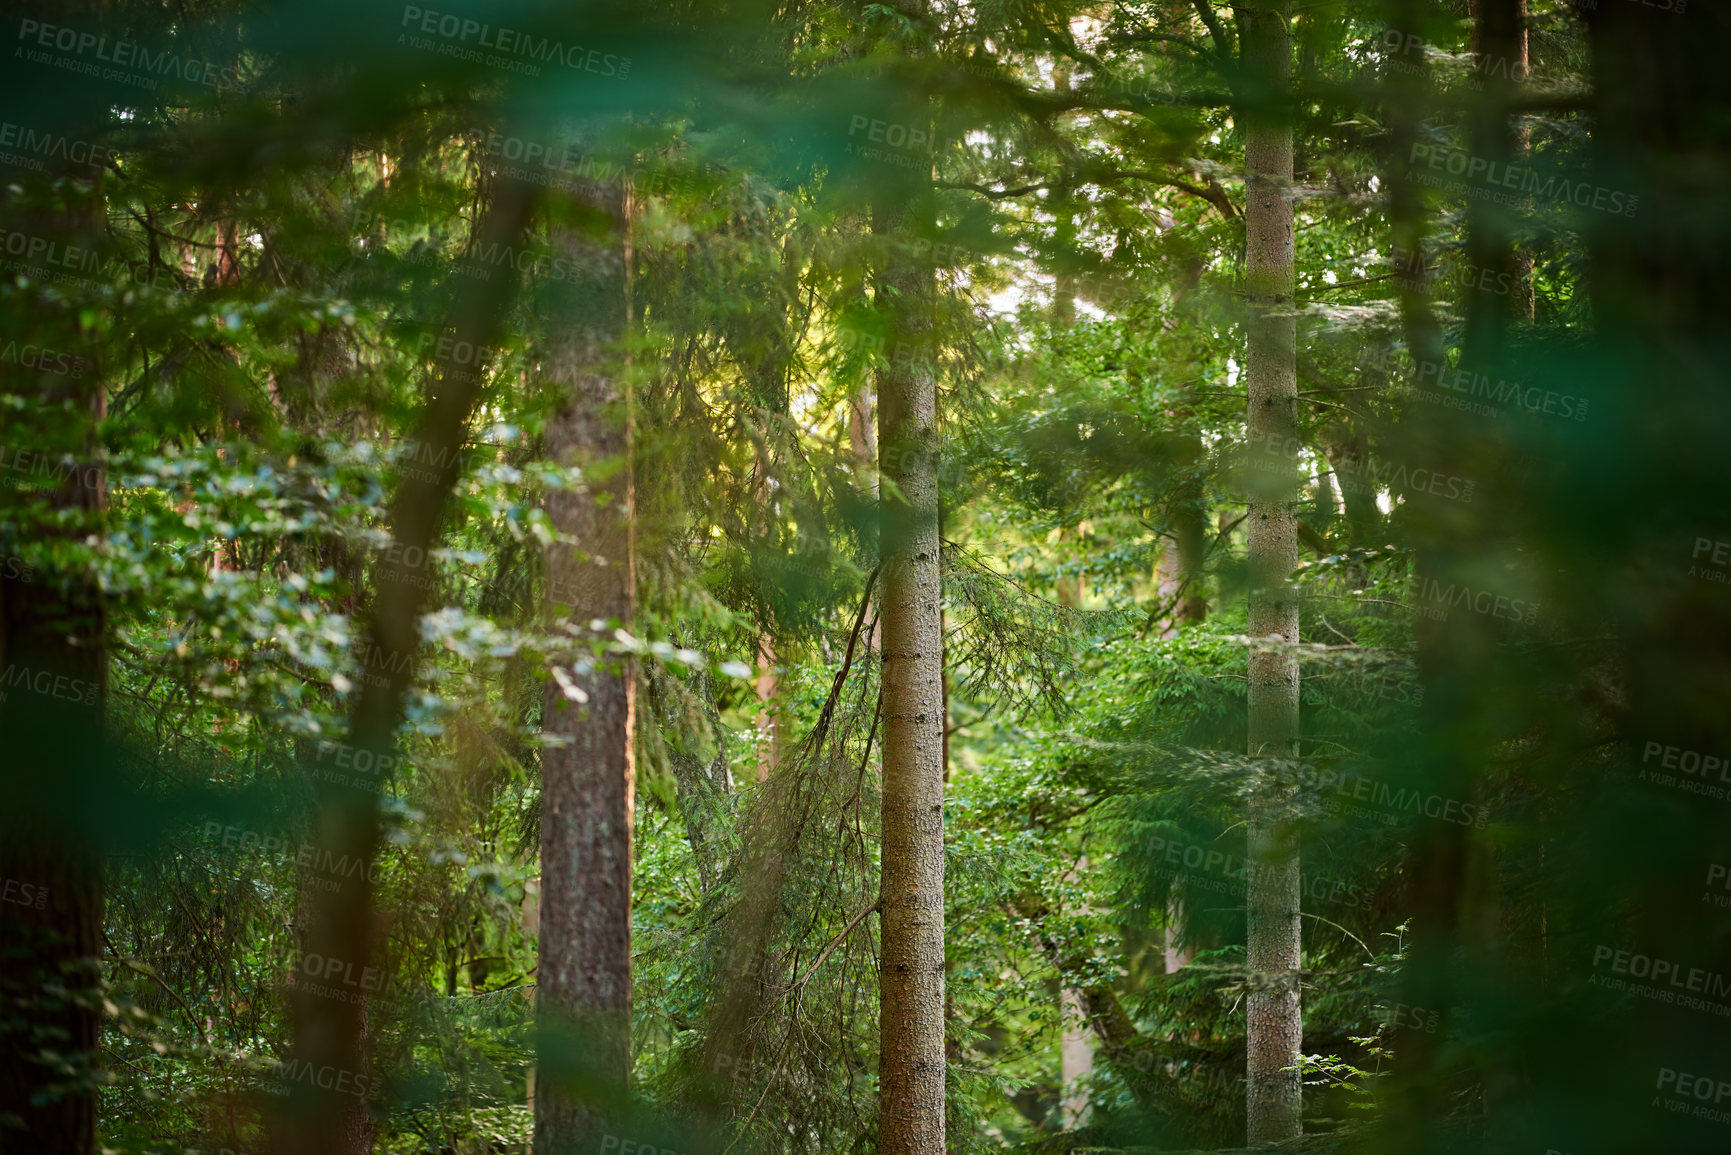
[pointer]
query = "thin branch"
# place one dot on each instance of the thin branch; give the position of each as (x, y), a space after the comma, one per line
(1214, 193)
(835, 942)
(172, 993)
(828, 713)
(1342, 930)
(1223, 45)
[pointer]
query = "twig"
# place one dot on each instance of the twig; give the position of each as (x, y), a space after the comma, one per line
(824, 717)
(1342, 930)
(799, 985)
(148, 972)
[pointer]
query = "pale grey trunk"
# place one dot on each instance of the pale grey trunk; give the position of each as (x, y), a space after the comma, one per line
(911, 1014)
(1274, 1024)
(1076, 1045)
(584, 976)
(1075, 1057)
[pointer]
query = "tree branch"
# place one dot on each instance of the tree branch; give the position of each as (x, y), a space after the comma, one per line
(824, 954)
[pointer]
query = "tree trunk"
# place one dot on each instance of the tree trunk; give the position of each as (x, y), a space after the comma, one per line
(1075, 1045)
(766, 686)
(1273, 1021)
(1499, 42)
(53, 687)
(1189, 514)
(911, 1010)
(583, 984)
(326, 1115)
(53, 656)
(1075, 1058)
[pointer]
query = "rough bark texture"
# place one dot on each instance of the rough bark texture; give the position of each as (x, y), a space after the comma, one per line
(583, 981)
(53, 660)
(1273, 1021)
(53, 685)
(912, 981)
(324, 1115)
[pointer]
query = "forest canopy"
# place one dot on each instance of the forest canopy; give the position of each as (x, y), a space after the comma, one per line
(907, 578)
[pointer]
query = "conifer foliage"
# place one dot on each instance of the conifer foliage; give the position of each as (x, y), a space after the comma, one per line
(906, 577)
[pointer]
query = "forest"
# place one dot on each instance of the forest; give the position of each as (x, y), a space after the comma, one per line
(865, 577)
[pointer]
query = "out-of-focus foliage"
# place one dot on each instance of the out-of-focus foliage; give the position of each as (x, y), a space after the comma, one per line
(236, 314)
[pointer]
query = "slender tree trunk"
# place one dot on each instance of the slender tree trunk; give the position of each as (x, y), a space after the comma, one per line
(1189, 514)
(766, 685)
(1075, 1046)
(911, 1012)
(1075, 1058)
(1274, 1024)
(583, 984)
(1499, 42)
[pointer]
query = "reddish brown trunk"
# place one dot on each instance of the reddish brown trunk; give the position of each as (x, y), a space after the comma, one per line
(588, 781)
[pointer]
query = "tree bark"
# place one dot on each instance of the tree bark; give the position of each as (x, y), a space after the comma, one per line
(911, 1023)
(329, 1056)
(583, 984)
(53, 689)
(53, 656)
(1273, 1020)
